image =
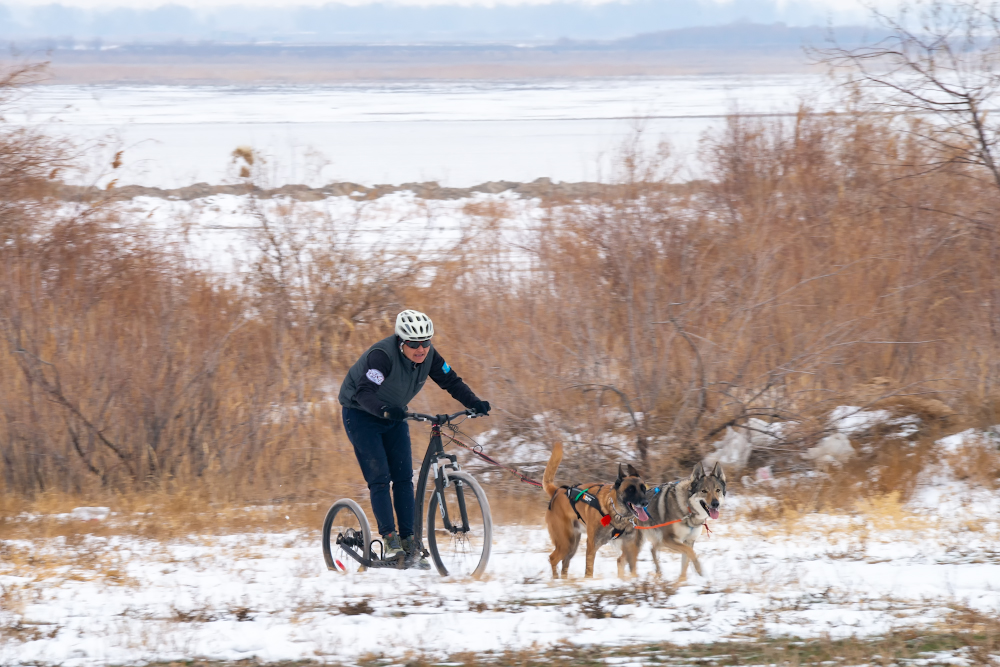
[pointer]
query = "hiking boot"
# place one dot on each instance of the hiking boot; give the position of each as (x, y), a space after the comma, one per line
(415, 554)
(391, 546)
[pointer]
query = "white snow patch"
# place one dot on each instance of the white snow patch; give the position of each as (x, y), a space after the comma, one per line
(733, 450)
(761, 433)
(849, 419)
(89, 513)
(944, 491)
(852, 420)
(835, 448)
(953, 444)
(223, 232)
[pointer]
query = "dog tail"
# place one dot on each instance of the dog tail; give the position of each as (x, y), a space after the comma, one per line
(549, 478)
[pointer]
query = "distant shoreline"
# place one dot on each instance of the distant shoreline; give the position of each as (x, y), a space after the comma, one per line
(541, 188)
(170, 70)
(219, 64)
(393, 53)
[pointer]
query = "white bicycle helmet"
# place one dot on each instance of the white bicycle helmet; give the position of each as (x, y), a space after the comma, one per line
(414, 325)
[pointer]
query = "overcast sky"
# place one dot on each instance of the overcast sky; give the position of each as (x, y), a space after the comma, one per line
(207, 4)
(399, 21)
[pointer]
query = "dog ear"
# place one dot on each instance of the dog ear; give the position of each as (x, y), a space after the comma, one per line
(632, 472)
(698, 472)
(621, 476)
(718, 473)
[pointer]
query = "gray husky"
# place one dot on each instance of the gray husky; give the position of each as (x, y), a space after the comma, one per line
(685, 505)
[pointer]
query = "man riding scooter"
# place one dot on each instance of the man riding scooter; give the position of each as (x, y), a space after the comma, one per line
(374, 397)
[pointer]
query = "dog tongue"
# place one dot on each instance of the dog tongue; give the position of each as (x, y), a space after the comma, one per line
(640, 513)
(714, 513)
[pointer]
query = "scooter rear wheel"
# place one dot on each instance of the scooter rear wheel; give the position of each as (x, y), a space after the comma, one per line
(346, 531)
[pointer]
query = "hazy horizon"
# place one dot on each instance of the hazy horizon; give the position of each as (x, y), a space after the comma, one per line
(399, 22)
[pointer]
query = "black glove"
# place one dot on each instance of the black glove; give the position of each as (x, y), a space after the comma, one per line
(482, 407)
(395, 414)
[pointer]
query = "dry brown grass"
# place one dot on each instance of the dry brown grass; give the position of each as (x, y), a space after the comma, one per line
(159, 516)
(813, 269)
(978, 463)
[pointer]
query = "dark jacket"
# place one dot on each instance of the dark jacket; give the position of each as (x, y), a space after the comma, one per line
(383, 377)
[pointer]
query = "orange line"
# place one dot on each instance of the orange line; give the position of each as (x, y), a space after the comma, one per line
(659, 525)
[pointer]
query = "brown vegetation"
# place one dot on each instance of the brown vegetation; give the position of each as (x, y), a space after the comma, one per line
(818, 266)
(813, 264)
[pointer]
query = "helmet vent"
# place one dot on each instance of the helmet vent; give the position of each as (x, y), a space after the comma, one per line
(414, 325)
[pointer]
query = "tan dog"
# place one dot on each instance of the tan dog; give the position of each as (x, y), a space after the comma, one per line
(687, 504)
(609, 511)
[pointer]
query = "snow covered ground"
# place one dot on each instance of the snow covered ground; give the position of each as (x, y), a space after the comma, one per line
(125, 600)
(221, 231)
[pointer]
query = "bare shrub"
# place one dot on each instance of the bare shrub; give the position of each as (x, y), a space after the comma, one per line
(30, 161)
(807, 267)
(127, 369)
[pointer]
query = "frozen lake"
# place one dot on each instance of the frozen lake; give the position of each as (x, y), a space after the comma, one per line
(457, 133)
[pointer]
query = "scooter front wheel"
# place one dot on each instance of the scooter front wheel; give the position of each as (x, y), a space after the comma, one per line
(460, 528)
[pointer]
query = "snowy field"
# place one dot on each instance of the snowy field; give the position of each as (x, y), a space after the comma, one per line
(222, 231)
(123, 600)
(457, 133)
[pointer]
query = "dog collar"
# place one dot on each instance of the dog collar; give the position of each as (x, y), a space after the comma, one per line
(614, 508)
(689, 519)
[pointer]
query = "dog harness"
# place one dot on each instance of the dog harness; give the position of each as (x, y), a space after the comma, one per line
(576, 494)
(687, 516)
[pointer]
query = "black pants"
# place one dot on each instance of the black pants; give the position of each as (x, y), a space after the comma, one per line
(383, 450)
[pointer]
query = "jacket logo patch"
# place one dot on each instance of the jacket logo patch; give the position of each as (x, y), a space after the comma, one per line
(375, 376)
(446, 368)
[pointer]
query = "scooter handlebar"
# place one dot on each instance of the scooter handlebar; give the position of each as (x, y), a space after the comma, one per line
(442, 419)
